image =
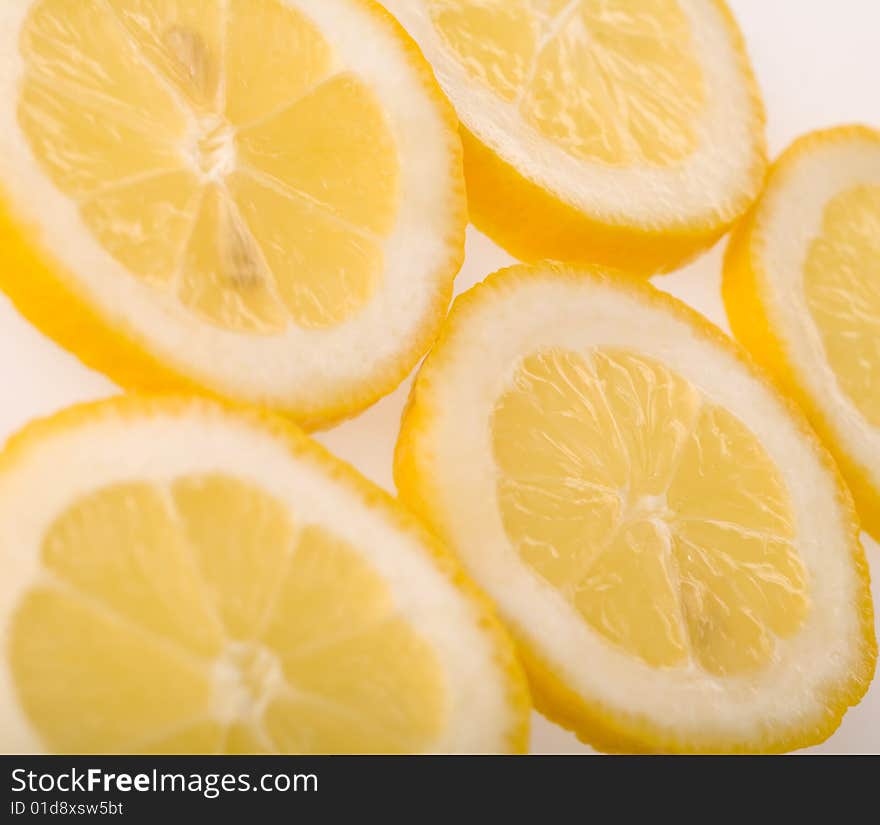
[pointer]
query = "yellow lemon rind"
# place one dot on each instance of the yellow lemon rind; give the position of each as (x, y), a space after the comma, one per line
(298, 444)
(745, 301)
(593, 722)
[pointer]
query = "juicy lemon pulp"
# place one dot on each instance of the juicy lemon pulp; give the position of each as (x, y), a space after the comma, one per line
(217, 151)
(842, 287)
(196, 617)
(611, 81)
(656, 514)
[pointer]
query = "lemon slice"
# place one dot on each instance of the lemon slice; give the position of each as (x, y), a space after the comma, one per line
(184, 578)
(261, 199)
(802, 291)
(620, 132)
(664, 535)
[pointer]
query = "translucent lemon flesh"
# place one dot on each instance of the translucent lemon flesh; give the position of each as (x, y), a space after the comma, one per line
(842, 287)
(656, 514)
(219, 151)
(198, 618)
(611, 81)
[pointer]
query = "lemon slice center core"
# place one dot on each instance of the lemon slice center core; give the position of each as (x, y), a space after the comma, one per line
(212, 152)
(246, 677)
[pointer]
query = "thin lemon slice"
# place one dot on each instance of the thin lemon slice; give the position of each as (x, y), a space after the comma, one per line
(802, 292)
(664, 535)
(186, 578)
(258, 199)
(621, 132)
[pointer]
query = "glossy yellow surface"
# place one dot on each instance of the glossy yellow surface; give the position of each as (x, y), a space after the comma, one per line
(842, 288)
(218, 151)
(657, 515)
(198, 618)
(612, 81)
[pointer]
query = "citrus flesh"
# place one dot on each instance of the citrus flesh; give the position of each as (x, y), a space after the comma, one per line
(842, 286)
(658, 515)
(569, 66)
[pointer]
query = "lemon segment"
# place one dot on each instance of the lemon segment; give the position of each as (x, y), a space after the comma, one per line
(183, 40)
(355, 174)
(668, 541)
(150, 580)
(82, 52)
(81, 148)
(293, 57)
(324, 275)
(802, 291)
(219, 516)
(629, 595)
(208, 602)
(244, 176)
(224, 276)
(145, 223)
(842, 288)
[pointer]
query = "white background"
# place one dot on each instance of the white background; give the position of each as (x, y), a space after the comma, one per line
(818, 63)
